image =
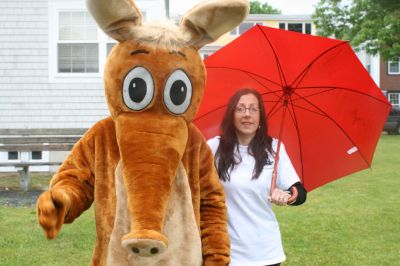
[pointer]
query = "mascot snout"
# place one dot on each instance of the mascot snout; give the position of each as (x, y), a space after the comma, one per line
(150, 149)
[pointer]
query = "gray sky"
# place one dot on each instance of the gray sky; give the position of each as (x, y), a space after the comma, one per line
(288, 7)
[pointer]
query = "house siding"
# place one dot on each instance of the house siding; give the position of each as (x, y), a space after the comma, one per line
(390, 83)
(27, 97)
(30, 96)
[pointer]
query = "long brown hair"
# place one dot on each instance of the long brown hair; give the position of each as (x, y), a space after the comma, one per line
(258, 147)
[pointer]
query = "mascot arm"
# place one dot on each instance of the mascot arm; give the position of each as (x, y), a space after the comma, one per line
(76, 177)
(71, 189)
(215, 238)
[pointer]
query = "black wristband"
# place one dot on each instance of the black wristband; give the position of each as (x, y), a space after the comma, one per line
(302, 194)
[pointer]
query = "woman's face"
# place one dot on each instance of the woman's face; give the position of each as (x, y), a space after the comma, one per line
(247, 116)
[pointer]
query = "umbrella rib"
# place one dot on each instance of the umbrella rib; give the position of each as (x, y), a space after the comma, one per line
(307, 68)
(310, 95)
(250, 75)
(247, 72)
(341, 88)
(296, 124)
(309, 110)
(265, 93)
(340, 127)
(274, 109)
(209, 112)
(281, 74)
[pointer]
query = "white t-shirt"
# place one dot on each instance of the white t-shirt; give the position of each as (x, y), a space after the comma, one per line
(253, 229)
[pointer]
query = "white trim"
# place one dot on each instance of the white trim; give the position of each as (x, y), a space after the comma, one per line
(57, 6)
(303, 27)
(54, 76)
(398, 98)
(388, 66)
(235, 31)
(279, 17)
(25, 156)
(13, 160)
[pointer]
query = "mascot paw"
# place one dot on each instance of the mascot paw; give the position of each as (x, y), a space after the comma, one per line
(51, 209)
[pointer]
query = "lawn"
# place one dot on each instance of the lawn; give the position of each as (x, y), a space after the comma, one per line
(352, 221)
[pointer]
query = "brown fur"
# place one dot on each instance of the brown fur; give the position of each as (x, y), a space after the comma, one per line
(166, 182)
(96, 155)
(184, 243)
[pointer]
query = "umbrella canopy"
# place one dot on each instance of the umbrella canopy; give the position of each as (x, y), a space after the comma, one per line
(320, 100)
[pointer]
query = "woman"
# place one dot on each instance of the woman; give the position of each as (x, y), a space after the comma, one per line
(244, 157)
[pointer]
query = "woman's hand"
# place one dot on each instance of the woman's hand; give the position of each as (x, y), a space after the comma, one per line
(279, 197)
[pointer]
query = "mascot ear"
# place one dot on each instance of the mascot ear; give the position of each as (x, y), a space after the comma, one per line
(116, 18)
(207, 21)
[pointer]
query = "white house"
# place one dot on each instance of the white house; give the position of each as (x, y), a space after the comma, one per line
(52, 56)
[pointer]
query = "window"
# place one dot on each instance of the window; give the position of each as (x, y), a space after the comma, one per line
(13, 155)
(36, 155)
(308, 28)
(297, 27)
(368, 63)
(110, 45)
(77, 47)
(394, 98)
(245, 26)
(394, 66)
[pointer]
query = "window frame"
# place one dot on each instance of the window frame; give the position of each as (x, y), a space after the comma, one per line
(13, 160)
(236, 31)
(388, 67)
(70, 43)
(303, 27)
(55, 8)
(33, 159)
(398, 98)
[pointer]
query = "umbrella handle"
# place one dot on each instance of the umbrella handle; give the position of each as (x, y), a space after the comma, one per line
(293, 191)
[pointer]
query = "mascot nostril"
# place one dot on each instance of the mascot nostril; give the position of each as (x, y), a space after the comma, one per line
(154, 251)
(135, 250)
(147, 169)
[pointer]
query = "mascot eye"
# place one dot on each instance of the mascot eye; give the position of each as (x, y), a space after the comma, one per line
(178, 92)
(138, 88)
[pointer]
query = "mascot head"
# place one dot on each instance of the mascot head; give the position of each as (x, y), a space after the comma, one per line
(154, 81)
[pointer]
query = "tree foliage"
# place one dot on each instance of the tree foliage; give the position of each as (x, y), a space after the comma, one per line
(370, 24)
(258, 8)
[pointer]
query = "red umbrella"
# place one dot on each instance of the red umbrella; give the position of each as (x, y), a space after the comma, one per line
(320, 100)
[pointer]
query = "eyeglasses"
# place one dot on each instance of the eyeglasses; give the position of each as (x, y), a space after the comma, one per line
(242, 110)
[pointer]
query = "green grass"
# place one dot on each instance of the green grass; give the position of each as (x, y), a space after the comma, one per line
(39, 181)
(23, 243)
(352, 221)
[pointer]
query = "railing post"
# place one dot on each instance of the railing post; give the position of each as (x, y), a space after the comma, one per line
(25, 177)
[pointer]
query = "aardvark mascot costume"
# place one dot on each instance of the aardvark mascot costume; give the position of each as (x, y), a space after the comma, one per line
(148, 170)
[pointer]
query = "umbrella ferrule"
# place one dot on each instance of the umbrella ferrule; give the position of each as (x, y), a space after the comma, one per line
(287, 90)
